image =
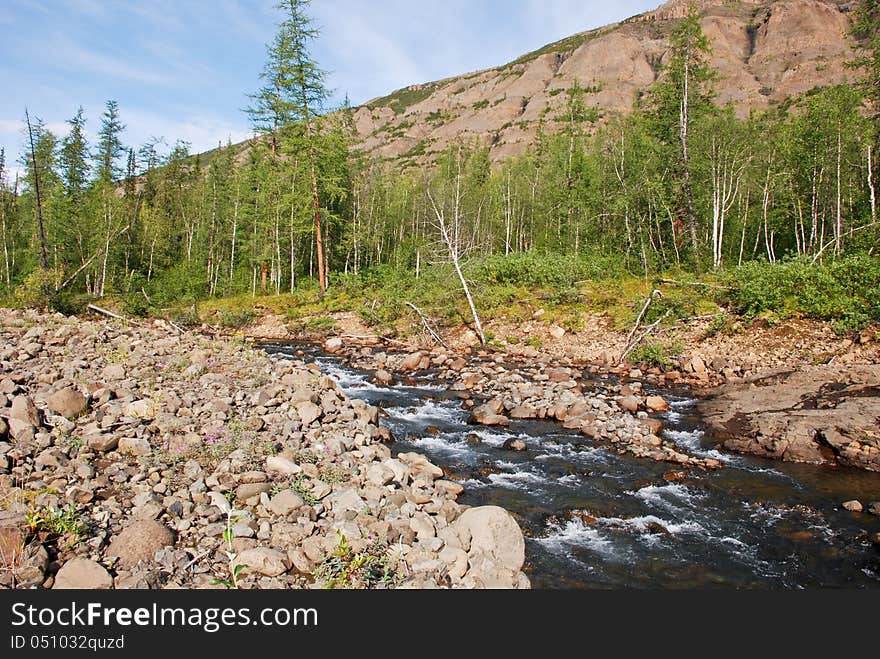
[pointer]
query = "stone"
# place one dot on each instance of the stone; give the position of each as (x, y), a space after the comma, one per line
(21, 431)
(102, 443)
(488, 415)
(281, 465)
(261, 560)
(493, 532)
(514, 444)
(697, 365)
(136, 446)
(141, 409)
(656, 404)
(557, 332)
(411, 362)
(874, 508)
(248, 491)
(456, 561)
(344, 500)
(307, 411)
(383, 378)
(139, 542)
(285, 502)
(525, 411)
(113, 372)
(68, 402)
(654, 426)
(379, 474)
(23, 409)
(853, 506)
(629, 404)
(82, 574)
(333, 345)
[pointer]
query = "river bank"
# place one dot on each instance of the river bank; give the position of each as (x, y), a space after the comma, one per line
(722, 366)
(139, 456)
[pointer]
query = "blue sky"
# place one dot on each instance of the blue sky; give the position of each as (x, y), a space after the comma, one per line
(182, 68)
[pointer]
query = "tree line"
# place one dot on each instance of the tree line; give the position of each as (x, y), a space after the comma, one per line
(680, 183)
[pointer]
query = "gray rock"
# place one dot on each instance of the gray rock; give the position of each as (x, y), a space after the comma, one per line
(82, 574)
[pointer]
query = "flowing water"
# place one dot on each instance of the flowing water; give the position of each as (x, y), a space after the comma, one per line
(596, 519)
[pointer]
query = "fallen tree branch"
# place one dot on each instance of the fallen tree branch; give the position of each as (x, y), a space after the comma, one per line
(433, 334)
(98, 309)
(67, 282)
(642, 336)
(654, 293)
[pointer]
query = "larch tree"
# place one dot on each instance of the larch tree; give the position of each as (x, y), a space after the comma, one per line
(35, 179)
(294, 93)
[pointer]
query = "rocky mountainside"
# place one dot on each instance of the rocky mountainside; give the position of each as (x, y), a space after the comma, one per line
(764, 51)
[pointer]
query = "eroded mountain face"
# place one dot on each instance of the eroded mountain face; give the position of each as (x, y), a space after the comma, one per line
(764, 52)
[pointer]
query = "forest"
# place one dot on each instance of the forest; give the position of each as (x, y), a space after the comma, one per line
(782, 199)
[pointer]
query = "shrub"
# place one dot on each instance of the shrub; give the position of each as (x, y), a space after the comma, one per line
(346, 568)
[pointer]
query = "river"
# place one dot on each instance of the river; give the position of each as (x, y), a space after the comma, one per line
(596, 519)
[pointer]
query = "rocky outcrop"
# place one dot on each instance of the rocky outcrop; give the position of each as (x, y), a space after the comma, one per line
(150, 458)
(817, 414)
(765, 51)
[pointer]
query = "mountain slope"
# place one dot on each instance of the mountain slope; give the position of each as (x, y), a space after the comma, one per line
(764, 51)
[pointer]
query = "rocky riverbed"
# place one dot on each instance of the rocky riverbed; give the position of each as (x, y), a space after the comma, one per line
(138, 456)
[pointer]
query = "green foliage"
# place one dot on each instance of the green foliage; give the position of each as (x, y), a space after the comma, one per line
(846, 290)
(64, 522)
(654, 354)
(237, 318)
(371, 567)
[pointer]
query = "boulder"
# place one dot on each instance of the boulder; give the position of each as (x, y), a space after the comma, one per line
(250, 490)
(333, 345)
(68, 402)
(853, 506)
(489, 414)
(82, 574)
(492, 531)
(383, 378)
(514, 444)
(139, 542)
(629, 404)
(656, 404)
(285, 502)
(411, 362)
(524, 411)
(281, 465)
(23, 409)
(101, 442)
(307, 411)
(136, 446)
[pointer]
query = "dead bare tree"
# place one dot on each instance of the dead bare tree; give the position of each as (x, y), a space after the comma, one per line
(449, 223)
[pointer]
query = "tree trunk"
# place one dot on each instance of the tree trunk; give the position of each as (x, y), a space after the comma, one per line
(871, 188)
(44, 245)
(685, 160)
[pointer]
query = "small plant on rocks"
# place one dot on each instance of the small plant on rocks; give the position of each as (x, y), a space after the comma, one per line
(51, 523)
(348, 569)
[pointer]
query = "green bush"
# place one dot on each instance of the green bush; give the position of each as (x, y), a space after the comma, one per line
(846, 291)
